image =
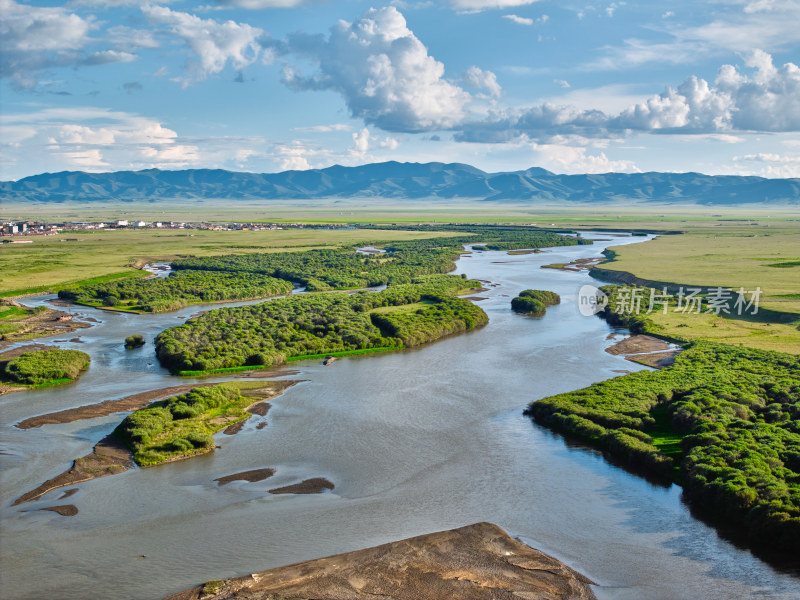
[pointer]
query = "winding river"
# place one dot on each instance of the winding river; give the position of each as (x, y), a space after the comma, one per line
(415, 441)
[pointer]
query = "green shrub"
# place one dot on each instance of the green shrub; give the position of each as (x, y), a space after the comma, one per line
(529, 306)
(543, 296)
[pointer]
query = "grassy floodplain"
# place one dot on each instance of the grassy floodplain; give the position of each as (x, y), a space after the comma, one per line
(731, 254)
(50, 262)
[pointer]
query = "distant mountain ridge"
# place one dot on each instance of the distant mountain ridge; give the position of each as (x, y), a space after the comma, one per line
(394, 180)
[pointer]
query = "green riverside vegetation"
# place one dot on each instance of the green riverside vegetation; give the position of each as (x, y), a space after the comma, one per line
(723, 421)
(534, 302)
(183, 425)
(161, 294)
(496, 237)
(44, 367)
(272, 332)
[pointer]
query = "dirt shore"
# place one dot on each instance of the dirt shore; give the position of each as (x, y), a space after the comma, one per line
(108, 458)
(477, 562)
(65, 510)
(251, 476)
(316, 485)
(48, 322)
(577, 265)
(108, 407)
(646, 350)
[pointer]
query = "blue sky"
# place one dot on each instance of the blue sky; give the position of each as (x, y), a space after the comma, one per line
(267, 85)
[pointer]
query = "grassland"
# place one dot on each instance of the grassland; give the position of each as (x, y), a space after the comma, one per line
(50, 262)
(730, 254)
(761, 255)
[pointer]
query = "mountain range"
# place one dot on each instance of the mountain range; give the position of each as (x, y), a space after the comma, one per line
(394, 180)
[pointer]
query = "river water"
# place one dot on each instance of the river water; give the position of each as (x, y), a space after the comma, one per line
(415, 442)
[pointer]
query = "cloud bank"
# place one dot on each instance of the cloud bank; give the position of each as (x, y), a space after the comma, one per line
(767, 100)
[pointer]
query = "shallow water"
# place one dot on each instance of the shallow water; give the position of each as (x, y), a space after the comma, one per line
(415, 441)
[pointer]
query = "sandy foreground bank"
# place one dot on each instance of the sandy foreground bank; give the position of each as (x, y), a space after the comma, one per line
(477, 562)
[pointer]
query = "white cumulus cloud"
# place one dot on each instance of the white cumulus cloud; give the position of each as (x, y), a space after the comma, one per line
(360, 143)
(214, 44)
(34, 39)
(382, 70)
(482, 80)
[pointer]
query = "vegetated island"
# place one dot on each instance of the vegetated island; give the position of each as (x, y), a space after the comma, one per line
(479, 562)
(181, 288)
(320, 325)
(172, 429)
(722, 421)
(134, 341)
(36, 366)
(18, 322)
(183, 426)
(264, 275)
(534, 302)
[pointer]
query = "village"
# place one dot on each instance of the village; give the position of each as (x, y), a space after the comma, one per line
(11, 231)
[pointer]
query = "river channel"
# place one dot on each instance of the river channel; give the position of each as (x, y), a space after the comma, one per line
(415, 441)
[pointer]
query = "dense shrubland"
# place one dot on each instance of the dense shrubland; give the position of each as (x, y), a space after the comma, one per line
(181, 288)
(44, 366)
(323, 270)
(723, 420)
(534, 302)
(310, 324)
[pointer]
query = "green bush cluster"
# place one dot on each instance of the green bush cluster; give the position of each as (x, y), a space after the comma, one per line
(443, 316)
(134, 341)
(534, 302)
(45, 366)
(182, 425)
(162, 294)
(736, 415)
(495, 237)
(310, 324)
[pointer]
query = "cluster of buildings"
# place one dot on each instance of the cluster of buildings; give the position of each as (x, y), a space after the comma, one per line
(28, 228)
